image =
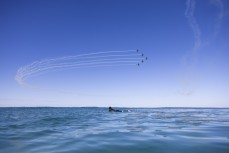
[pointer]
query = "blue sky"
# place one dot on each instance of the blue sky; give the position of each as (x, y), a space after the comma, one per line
(186, 43)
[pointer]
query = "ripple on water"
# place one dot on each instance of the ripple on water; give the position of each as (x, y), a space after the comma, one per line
(84, 130)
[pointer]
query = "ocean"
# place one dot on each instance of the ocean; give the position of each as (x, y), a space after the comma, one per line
(95, 130)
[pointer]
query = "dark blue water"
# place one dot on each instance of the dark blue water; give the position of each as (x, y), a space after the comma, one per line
(92, 130)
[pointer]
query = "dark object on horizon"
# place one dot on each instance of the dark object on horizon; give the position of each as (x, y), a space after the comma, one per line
(137, 50)
(142, 61)
(113, 110)
(142, 54)
(138, 64)
(146, 58)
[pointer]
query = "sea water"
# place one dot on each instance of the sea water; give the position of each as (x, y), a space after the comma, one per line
(95, 130)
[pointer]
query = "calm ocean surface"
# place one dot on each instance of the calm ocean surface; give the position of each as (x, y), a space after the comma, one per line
(95, 130)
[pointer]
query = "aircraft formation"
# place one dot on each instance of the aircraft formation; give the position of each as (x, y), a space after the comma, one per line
(144, 59)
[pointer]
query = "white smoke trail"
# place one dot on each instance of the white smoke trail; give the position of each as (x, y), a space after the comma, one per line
(190, 9)
(22, 76)
(110, 58)
(190, 60)
(190, 4)
(89, 54)
(219, 4)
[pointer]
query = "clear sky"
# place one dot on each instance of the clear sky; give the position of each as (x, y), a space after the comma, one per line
(186, 43)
